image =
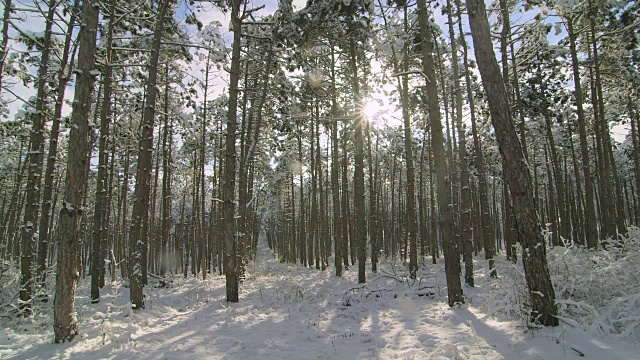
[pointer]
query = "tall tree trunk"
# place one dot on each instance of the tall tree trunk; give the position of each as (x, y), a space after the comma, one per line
(465, 190)
(64, 74)
(408, 150)
(290, 222)
(152, 238)
(335, 163)
(320, 250)
(110, 245)
(167, 135)
(85, 226)
(633, 119)
(117, 234)
(611, 170)
(451, 250)
(253, 137)
(100, 229)
(606, 192)
(228, 194)
(435, 215)
(313, 225)
(591, 230)
(302, 233)
(505, 39)
(517, 172)
(373, 211)
(507, 42)
(14, 228)
(565, 226)
(14, 210)
(180, 241)
(34, 173)
(358, 176)
(123, 255)
(486, 233)
(509, 232)
(7, 217)
(402, 82)
(578, 204)
(246, 126)
(422, 203)
(195, 215)
(551, 200)
(203, 134)
(346, 211)
(65, 325)
(140, 212)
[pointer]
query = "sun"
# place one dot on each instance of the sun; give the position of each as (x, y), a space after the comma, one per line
(372, 109)
(379, 111)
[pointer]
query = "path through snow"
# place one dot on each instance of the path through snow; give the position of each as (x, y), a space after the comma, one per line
(289, 312)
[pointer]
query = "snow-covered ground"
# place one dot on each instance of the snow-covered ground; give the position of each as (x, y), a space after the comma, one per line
(289, 312)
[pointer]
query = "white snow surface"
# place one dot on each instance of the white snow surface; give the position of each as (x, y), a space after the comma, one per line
(290, 312)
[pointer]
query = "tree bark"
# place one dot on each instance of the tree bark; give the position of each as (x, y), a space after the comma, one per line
(408, 150)
(34, 172)
(302, 234)
(565, 225)
(358, 176)
(465, 191)
(633, 119)
(167, 135)
(100, 229)
(52, 154)
(140, 212)
(446, 220)
(486, 233)
(506, 42)
(13, 210)
(313, 225)
(591, 230)
(228, 194)
(335, 163)
(203, 134)
(123, 254)
(65, 324)
(346, 211)
(611, 169)
(516, 172)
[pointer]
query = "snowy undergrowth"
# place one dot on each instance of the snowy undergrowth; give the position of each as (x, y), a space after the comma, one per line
(599, 290)
(42, 307)
(507, 294)
(9, 279)
(596, 290)
(292, 312)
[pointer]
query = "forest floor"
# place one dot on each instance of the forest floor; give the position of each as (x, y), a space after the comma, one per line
(290, 312)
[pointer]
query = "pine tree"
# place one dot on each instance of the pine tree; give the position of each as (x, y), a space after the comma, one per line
(516, 171)
(65, 325)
